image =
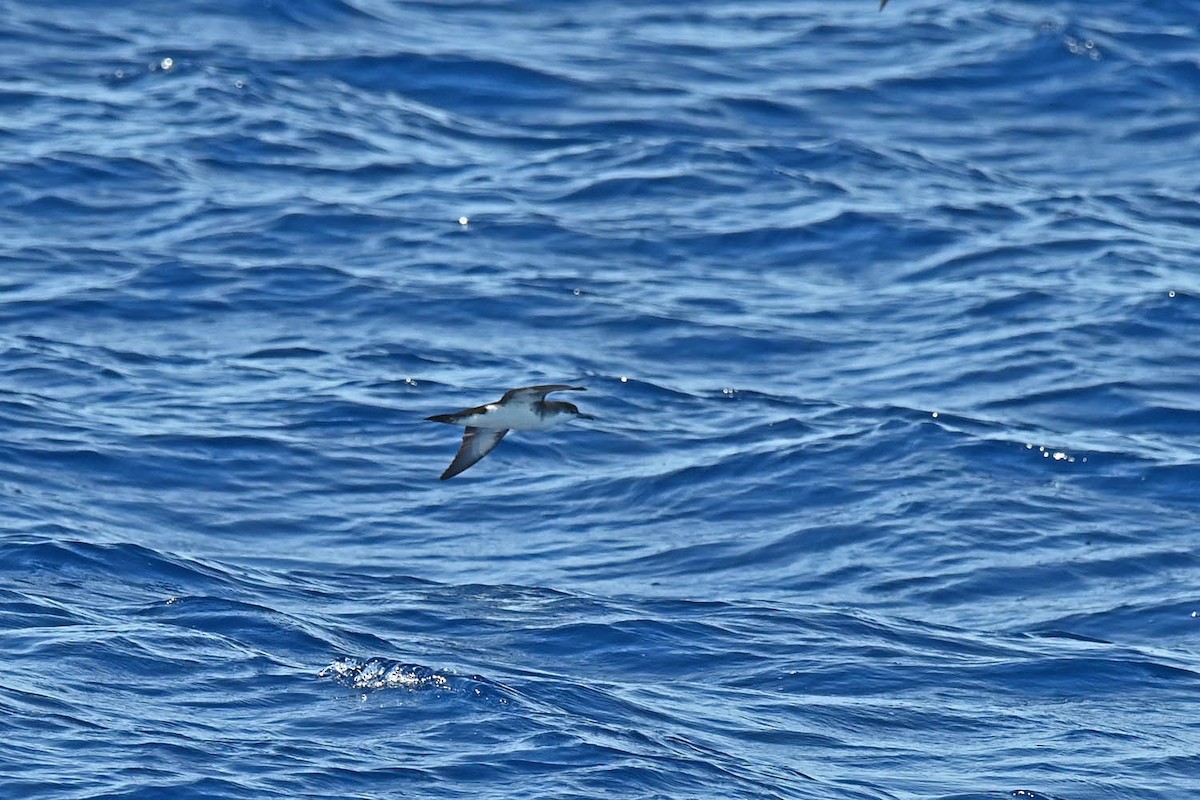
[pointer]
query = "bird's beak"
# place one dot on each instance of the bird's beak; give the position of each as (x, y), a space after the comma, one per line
(581, 415)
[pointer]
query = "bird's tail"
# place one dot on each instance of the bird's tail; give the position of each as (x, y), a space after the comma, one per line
(447, 418)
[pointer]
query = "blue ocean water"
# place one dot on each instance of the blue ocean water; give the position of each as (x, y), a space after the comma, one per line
(890, 321)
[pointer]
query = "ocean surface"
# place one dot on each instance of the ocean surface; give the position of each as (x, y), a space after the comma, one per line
(890, 323)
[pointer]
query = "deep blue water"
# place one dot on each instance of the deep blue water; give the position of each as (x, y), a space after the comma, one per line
(890, 321)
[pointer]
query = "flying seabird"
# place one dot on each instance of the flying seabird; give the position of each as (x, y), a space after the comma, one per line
(522, 409)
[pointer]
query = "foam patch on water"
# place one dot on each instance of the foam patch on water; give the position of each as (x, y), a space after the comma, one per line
(379, 673)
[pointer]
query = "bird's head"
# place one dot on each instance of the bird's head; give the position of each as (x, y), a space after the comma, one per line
(574, 411)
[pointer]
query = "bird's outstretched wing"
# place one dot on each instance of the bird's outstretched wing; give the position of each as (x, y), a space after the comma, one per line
(476, 443)
(540, 392)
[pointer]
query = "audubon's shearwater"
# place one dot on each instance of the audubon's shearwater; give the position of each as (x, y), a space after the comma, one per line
(523, 409)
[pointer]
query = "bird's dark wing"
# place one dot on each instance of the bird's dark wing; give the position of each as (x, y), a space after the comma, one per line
(453, 419)
(476, 443)
(540, 392)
